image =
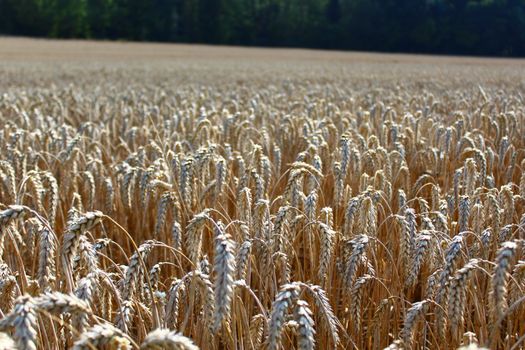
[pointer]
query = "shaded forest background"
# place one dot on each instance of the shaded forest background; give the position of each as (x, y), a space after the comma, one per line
(487, 27)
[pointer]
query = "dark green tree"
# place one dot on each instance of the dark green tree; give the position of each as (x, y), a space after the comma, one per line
(478, 27)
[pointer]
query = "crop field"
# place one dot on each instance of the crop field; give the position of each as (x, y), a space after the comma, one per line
(161, 196)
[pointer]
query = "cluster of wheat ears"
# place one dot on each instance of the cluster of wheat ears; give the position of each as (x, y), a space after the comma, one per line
(283, 217)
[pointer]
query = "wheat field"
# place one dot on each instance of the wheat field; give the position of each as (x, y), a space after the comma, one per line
(190, 197)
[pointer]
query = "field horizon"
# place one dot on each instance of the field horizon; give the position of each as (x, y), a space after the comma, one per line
(18, 47)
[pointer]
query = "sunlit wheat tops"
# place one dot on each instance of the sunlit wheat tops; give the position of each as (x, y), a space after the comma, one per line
(255, 205)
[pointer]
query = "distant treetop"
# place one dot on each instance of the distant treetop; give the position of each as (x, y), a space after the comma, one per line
(483, 27)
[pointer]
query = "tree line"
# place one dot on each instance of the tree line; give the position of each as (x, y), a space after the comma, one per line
(473, 27)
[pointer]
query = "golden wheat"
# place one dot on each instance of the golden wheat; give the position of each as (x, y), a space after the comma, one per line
(295, 204)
